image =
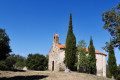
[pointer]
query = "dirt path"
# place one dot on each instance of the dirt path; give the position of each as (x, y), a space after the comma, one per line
(47, 75)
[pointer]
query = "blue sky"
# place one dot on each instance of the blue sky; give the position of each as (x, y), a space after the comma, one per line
(31, 24)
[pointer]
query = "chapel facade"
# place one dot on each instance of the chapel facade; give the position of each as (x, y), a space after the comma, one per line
(57, 56)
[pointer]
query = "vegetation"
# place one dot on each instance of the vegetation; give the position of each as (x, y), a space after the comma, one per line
(2, 65)
(83, 60)
(70, 51)
(36, 62)
(12, 62)
(118, 73)
(47, 59)
(112, 66)
(4, 45)
(112, 24)
(20, 62)
(92, 59)
(108, 74)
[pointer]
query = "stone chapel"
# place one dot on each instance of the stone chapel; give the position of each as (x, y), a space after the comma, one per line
(57, 55)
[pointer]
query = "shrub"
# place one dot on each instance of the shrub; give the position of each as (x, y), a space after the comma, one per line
(118, 77)
(36, 62)
(2, 65)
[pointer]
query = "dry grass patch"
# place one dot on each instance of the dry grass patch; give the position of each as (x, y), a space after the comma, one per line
(47, 75)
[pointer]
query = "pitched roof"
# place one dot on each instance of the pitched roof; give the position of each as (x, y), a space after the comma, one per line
(97, 52)
(60, 45)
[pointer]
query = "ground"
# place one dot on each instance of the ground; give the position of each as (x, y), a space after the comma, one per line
(47, 75)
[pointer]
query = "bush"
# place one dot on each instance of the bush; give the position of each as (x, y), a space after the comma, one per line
(20, 62)
(2, 65)
(12, 62)
(36, 62)
(118, 77)
(108, 74)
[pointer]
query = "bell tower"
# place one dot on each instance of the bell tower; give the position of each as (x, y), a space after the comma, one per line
(55, 39)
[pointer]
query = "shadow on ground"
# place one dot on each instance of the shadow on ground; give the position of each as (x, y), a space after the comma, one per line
(15, 70)
(32, 77)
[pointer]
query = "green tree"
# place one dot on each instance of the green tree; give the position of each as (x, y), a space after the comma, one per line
(92, 64)
(70, 51)
(20, 62)
(4, 45)
(36, 62)
(118, 73)
(46, 62)
(108, 74)
(10, 61)
(112, 66)
(82, 58)
(3, 65)
(112, 24)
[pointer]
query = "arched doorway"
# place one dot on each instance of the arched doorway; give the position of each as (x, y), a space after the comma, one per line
(52, 65)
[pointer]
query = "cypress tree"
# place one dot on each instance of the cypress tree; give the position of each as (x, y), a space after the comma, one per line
(92, 65)
(112, 66)
(70, 51)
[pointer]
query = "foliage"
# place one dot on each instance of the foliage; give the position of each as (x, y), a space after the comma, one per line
(10, 61)
(3, 65)
(118, 73)
(82, 43)
(112, 66)
(4, 45)
(118, 77)
(47, 59)
(106, 48)
(112, 24)
(82, 58)
(36, 62)
(70, 51)
(20, 62)
(108, 74)
(118, 69)
(92, 65)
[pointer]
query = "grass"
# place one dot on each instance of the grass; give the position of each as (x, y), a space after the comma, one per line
(47, 75)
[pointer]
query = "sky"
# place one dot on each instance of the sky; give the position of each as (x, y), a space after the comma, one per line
(31, 24)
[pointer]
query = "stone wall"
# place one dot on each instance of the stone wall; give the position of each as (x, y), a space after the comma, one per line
(61, 59)
(101, 65)
(54, 56)
(104, 66)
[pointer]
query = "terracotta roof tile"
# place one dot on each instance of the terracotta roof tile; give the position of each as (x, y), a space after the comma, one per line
(97, 52)
(60, 45)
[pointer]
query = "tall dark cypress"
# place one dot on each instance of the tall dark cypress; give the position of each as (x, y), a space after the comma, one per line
(70, 50)
(112, 66)
(92, 66)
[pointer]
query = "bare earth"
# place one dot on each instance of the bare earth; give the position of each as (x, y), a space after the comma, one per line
(47, 75)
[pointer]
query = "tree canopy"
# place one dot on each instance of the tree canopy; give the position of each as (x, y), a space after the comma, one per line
(83, 60)
(4, 45)
(112, 24)
(36, 62)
